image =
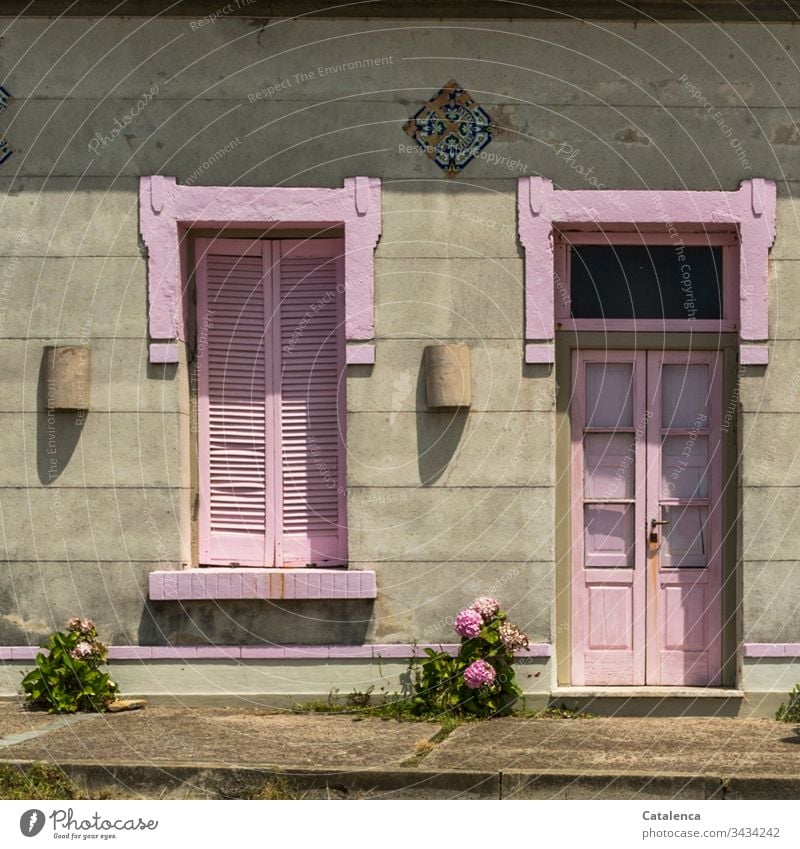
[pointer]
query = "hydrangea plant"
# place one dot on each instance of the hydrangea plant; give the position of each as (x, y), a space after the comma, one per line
(479, 680)
(68, 677)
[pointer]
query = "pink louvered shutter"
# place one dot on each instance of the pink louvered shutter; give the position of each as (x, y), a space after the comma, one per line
(234, 404)
(312, 409)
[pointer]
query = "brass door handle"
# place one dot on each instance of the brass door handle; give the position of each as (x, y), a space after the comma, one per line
(652, 537)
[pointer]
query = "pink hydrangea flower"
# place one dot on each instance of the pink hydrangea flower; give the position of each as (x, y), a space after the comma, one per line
(512, 638)
(82, 651)
(468, 623)
(487, 607)
(479, 673)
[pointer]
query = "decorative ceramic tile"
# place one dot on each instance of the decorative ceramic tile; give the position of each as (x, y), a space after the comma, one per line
(451, 128)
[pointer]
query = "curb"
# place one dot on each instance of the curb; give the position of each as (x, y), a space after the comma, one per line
(212, 781)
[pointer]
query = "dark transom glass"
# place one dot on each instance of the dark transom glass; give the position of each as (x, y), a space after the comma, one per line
(646, 281)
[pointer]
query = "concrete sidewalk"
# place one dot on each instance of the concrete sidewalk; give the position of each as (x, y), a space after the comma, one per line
(184, 752)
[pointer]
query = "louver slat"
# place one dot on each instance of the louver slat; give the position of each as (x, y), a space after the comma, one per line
(311, 313)
(233, 411)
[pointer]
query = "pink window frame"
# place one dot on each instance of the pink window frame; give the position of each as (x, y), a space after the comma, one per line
(167, 211)
(743, 220)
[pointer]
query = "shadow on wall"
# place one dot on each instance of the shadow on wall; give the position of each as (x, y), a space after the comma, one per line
(438, 433)
(255, 622)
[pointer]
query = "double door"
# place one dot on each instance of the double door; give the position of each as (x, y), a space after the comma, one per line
(646, 517)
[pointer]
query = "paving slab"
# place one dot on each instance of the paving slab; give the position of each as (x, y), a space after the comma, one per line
(14, 720)
(651, 746)
(163, 735)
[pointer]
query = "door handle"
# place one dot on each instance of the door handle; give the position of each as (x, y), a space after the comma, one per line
(653, 535)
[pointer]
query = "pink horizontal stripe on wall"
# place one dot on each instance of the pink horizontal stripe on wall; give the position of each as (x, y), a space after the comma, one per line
(772, 649)
(203, 584)
(363, 652)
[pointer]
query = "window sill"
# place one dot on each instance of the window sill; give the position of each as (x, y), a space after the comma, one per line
(235, 584)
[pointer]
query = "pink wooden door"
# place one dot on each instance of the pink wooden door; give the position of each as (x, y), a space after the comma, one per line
(646, 478)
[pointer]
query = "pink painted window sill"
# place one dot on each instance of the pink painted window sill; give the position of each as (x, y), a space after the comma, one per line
(233, 584)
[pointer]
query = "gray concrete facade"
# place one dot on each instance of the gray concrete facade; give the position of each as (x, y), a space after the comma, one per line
(443, 505)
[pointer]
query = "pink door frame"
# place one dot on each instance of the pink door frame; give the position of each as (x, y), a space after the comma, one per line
(749, 213)
(623, 619)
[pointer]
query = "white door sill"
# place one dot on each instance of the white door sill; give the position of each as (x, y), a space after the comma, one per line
(647, 692)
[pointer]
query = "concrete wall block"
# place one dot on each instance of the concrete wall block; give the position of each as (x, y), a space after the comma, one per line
(619, 63)
(86, 297)
(460, 298)
(70, 216)
(770, 675)
(448, 524)
(770, 608)
(449, 219)
(770, 455)
(784, 300)
(501, 379)
(450, 449)
(587, 146)
(770, 523)
(40, 596)
(787, 223)
(122, 378)
(86, 524)
(774, 388)
(100, 449)
(403, 613)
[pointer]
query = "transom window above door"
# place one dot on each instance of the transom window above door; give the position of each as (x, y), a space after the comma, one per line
(735, 228)
(646, 281)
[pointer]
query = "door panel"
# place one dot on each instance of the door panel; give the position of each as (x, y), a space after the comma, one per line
(647, 465)
(608, 448)
(684, 465)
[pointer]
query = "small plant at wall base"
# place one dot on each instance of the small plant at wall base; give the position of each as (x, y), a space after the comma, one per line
(479, 681)
(68, 678)
(790, 712)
